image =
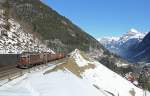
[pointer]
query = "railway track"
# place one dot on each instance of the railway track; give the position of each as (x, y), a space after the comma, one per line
(9, 71)
(7, 67)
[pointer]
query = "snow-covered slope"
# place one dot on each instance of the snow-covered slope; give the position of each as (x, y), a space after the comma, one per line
(123, 45)
(15, 39)
(104, 79)
(79, 75)
(55, 84)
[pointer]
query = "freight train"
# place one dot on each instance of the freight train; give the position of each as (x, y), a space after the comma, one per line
(28, 60)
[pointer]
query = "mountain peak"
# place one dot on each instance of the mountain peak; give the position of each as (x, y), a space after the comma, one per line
(132, 32)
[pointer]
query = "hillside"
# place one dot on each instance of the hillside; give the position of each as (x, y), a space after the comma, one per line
(15, 40)
(29, 25)
(78, 75)
(41, 20)
(49, 27)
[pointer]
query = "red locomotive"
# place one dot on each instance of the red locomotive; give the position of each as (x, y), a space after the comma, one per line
(27, 60)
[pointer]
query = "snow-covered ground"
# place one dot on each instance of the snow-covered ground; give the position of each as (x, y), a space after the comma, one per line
(55, 84)
(97, 81)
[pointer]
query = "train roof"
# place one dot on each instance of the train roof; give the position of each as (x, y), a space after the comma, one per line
(24, 54)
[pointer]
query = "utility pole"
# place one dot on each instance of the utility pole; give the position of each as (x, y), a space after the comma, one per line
(29, 58)
(46, 58)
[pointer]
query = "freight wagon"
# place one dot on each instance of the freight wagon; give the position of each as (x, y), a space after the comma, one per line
(27, 60)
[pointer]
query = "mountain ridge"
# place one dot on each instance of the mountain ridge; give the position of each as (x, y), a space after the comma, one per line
(47, 23)
(143, 50)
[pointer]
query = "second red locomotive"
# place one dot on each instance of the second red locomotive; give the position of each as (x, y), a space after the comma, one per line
(27, 60)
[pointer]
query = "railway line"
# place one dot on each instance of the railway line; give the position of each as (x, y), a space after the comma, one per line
(7, 67)
(10, 72)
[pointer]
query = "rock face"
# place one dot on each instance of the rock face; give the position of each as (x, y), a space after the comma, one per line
(2, 1)
(14, 39)
(125, 45)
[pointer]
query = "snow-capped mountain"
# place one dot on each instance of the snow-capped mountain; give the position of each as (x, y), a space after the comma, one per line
(132, 34)
(123, 45)
(78, 75)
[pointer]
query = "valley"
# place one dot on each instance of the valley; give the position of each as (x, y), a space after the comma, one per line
(44, 52)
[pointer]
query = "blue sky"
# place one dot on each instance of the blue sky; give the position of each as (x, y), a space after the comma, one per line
(105, 18)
